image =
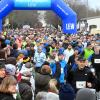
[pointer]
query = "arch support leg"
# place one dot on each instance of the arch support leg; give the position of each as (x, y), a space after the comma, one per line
(0, 25)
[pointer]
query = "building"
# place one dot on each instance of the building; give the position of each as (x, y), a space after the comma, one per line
(91, 24)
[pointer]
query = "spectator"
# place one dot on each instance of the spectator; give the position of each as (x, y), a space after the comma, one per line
(95, 59)
(11, 60)
(27, 83)
(82, 77)
(3, 56)
(80, 48)
(10, 69)
(2, 71)
(72, 60)
(8, 88)
(39, 59)
(38, 46)
(52, 94)
(88, 51)
(63, 66)
(41, 96)
(86, 94)
(53, 91)
(66, 92)
(68, 52)
(53, 86)
(42, 79)
(14, 51)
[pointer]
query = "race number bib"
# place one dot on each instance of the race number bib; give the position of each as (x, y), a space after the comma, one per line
(80, 84)
(62, 70)
(97, 61)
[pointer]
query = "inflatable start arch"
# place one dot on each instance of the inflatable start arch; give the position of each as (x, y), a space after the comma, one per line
(67, 15)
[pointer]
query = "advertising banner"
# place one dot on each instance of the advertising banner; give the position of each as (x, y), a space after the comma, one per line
(32, 3)
(67, 15)
(69, 25)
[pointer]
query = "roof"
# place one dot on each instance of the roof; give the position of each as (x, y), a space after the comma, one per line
(90, 18)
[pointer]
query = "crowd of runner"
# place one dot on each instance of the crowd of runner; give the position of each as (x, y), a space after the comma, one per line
(40, 64)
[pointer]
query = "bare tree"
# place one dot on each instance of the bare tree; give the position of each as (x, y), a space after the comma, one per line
(82, 8)
(24, 17)
(52, 18)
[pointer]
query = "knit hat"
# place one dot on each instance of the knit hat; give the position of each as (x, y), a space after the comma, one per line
(20, 56)
(7, 42)
(85, 94)
(26, 59)
(10, 69)
(26, 71)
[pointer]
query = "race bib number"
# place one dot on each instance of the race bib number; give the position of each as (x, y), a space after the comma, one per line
(97, 61)
(62, 71)
(80, 84)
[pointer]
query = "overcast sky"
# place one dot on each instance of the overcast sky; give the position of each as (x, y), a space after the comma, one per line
(94, 3)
